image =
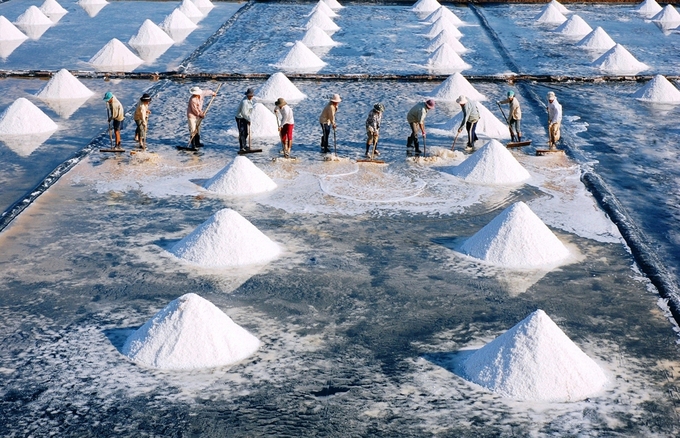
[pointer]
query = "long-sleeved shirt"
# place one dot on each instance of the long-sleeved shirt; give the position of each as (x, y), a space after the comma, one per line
(245, 109)
(554, 112)
(417, 113)
(328, 115)
(515, 110)
(286, 115)
(195, 108)
(142, 112)
(373, 120)
(117, 112)
(470, 113)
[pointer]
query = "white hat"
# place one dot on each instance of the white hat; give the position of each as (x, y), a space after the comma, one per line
(195, 90)
(462, 100)
(336, 98)
(551, 95)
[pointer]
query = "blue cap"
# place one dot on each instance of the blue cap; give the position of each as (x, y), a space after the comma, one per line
(108, 96)
(511, 93)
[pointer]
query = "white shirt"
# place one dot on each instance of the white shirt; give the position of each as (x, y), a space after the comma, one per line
(554, 111)
(286, 115)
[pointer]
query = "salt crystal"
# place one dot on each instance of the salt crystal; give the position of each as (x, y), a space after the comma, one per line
(575, 26)
(455, 86)
(115, 56)
(333, 4)
(597, 40)
(324, 8)
(63, 85)
(445, 13)
(92, 7)
(536, 361)
(240, 178)
(300, 58)
(649, 8)
(659, 90)
(190, 333)
(317, 37)
(226, 239)
(445, 58)
(488, 125)
(426, 6)
(446, 37)
(150, 41)
(557, 5)
(443, 24)
(551, 15)
(33, 22)
(667, 15)
(177, 25)
(278, 85)
(618, 60)
(189, 9)
(492, 164)
(205, 6)
(322, 21)
(9, 32)
(53, 10)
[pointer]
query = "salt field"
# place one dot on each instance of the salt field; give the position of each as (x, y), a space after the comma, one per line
(483, 292)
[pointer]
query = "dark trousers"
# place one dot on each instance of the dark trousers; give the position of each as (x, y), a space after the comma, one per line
(413, 138)
(242, 125)
(325, 132)
(472, 133)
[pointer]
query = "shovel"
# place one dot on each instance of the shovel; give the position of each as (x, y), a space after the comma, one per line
(198, 124)
(454, 140)
(335, 144)
(512, 134)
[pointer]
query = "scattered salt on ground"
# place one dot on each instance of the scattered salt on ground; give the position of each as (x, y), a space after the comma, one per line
(177, 25)
(559, 6)
(24, 118)
(205, 6)
(660, 90)
(240, 178)
(278, 85)
(150, 41)
(324, 8)
(667, 15)
(333, 4)
(550, 15)
(488, 126)
(322, 21)
(492, 164)
(115, 56)
(454, 86)
(426, 6)
(443, 24)
(63, 85)
(53, 10)
(225, 240)
(190, 333)
(536, 361)
(649, 8)
(317, 37)
(300, 58)
(9, 32)
(575, 26)
(92, 7)
(445, 37)
(597, 40)
(189, 9)
(445, 58)
(620, 61)
(263, 122)
(445, 12)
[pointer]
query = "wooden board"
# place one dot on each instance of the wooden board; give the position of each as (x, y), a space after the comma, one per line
(368, 160)
(184, 148)
(518, 144)
(112, 150)
(275, 159)
(250, 151)
(542, 152)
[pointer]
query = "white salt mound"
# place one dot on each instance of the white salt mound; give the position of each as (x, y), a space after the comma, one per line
(300, 58)
(550, 15)
(53, 10)
(536, 361)
(189, 9)
(240, 178)
(426, 6)
(33, 17)
(226, 240)
(150, 41)
(659, 90)
(190, 333)
(278, 85)
(492, 164)
(445, 13)
(9, 32)
(333, 4)
(440, 25)
(263, 122)
(597, 40)
(63, 85)
(454, 86)
(322, 21)
(667, 15)
(445, 58)
(92, 7)
(317, 37)
(115, 56)
(324, 8)
(619, 60)
(649, 8)
(177, 25)
(557, 5)
(575, 26)
(204, 6)
(516, 239)
(7, 47)
(24, 118)
(445, 37)
(488, 126)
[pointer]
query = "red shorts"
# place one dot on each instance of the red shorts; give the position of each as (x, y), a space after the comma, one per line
(286, 132)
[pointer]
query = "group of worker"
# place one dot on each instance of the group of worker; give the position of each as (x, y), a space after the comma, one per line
(284, 115)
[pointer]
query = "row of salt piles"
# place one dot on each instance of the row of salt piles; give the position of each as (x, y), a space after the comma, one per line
(34, 22)
(666, 17)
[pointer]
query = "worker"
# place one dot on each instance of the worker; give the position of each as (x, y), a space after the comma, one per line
(141, 118)
(286, 124)
(470, 118)
(327, 121)
(195, 114)
(373, 128)
(416, 120)
(554, 120)
(514, 116)
(116, 115)
(245, 110)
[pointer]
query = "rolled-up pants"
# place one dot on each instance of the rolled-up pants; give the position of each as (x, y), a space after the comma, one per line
(554, 131)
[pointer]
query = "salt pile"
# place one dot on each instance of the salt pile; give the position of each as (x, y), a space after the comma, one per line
(575, 26)
(597, 40)
(240, 178)
(444, 12)
(150, 41)
(557, 5)
(550, 15)
(667, 15)
(454, 86)
(300, 58)
(10, 37)
(53, 10)
(492, 164)
(446, 37)
(205, 6)
(535, 360)
(317, 37)
(33, 22)
(115, 56)
(92, 7)
(426, 6)
(445, 58)
(190, 333)
(24, 118)
(263, 122)
(619, 60)
(440, 25)
(333, 4)
(178, 26)
(225, 240)
(516, 239)
(488, 126)
(322, 21)
(189, 9)
(659, 90)
(649, 8)
(64, 93)
(324, 8)
(278, 85)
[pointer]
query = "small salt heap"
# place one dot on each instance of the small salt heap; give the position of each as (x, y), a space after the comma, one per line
(446, 37)
(426, 6)
(597, 40)
(317, 37)
(658, 90)
(550, 15)
(444, 12)
(151, 41)
(115, 56)
(226, 240)
(446, 59)
(240, 178)
(668, 15)
(300, 58)
(190, 333)
(454, 86)
(333, 4)
(557, 5)
(64, 93)
(178, 26)
(649, 8)
(488, 126)
(24, 127)
(492, 164)
(10, 37)
(189, 9)
(205, 6)
(278, 85)
(536, 361)
(322, 21)
(92, 7)
(263, 122)
(53, 10)
(618, 60)
(575, 26)
(440, 25)
(517, 239)
(324, 8)
(33, 22)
